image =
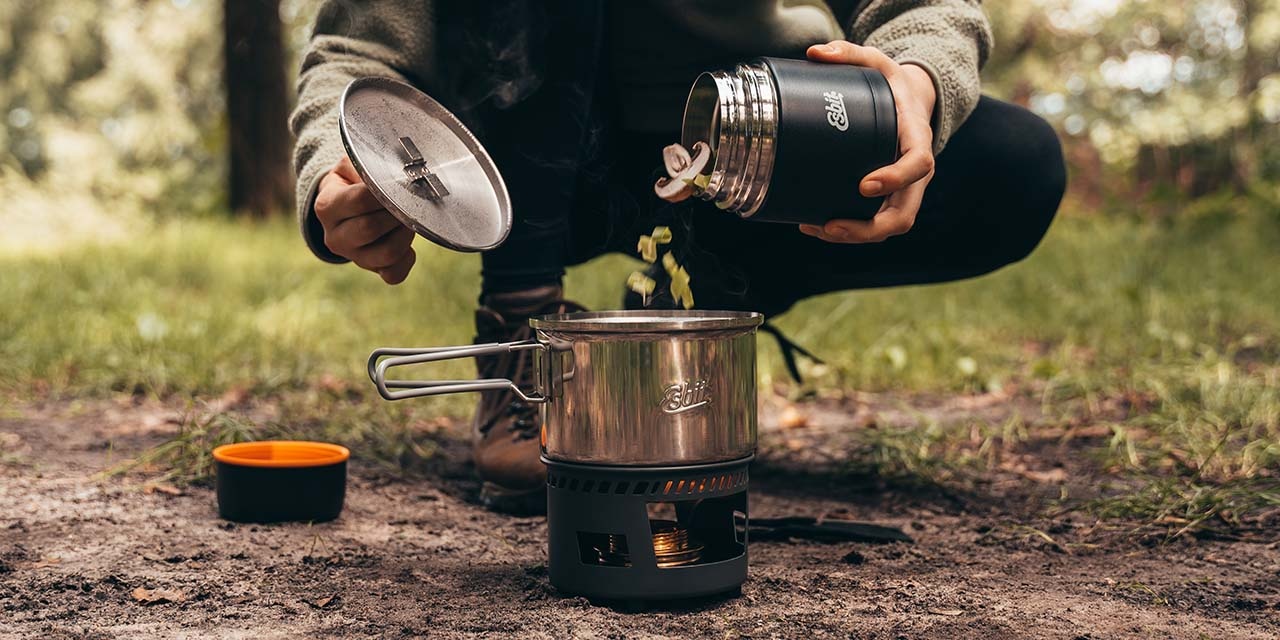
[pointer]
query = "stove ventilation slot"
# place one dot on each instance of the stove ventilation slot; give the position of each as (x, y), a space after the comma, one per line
(674, 487)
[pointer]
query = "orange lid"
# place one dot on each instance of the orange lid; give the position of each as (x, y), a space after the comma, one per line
(281, 454)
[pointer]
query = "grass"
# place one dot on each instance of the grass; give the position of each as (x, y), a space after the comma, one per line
(189, 455)
(1164, 332)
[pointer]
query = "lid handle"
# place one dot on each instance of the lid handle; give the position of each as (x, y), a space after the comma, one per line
(417, 171)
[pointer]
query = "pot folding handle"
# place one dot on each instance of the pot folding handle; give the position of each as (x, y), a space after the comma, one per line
(382, 360)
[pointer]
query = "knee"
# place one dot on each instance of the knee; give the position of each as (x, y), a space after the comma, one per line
(1041, 153)
(1035, 181)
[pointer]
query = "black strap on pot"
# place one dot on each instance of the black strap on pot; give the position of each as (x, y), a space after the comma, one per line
(789, 351)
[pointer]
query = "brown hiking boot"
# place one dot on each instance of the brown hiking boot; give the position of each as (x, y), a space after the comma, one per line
(506, 443)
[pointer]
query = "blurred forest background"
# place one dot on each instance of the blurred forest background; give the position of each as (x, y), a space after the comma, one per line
(114, 108)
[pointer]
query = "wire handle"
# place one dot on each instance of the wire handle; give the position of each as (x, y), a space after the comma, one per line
(383, 359)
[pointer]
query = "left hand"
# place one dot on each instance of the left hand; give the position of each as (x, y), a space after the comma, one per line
(903, 181)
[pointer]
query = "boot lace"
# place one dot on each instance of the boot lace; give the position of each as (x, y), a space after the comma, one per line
(504, 405)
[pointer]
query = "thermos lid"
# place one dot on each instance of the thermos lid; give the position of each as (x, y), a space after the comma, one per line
(423, 165)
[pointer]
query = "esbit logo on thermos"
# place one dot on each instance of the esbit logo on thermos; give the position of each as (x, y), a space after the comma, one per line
(685, 396)
(836, 114)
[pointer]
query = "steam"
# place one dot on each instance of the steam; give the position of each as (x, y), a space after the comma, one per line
(494, 50)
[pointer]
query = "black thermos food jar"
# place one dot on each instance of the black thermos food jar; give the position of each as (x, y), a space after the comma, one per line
(792, 139)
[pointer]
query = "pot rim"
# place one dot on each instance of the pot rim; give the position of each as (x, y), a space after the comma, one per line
(647, 321)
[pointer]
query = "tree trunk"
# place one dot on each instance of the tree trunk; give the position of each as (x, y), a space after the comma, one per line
(260, 179)
(1245, 150)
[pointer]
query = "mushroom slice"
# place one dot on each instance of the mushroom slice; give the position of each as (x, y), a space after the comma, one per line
(689, 180)
(676, 158)
(701, 158)
(672, 190)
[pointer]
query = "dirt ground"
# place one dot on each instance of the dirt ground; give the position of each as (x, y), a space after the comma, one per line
(420, 558)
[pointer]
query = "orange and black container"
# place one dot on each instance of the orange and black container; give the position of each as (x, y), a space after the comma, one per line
(281, 481)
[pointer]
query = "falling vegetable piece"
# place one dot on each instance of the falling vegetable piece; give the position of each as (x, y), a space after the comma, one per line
(676, 159)
(685, 182)
(647, 246)
(680, 287)
(644, 285)
(699, 181)
(641, 284)
(672, 190)
(648, 249)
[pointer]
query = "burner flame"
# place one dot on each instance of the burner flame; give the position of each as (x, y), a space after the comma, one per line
(672, 546)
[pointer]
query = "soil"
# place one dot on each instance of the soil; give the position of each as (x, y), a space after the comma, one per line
(418, 557)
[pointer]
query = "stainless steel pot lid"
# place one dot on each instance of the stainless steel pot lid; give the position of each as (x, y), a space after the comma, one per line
(423, 165)
(647, 321)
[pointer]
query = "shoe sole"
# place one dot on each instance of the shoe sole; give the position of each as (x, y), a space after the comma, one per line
(527, 502)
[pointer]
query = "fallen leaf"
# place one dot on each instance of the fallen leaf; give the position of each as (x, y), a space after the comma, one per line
(947, 612)
(167, 489)
(46, 561)
(1057, 475)
(793, 418)
(322, 603)
(157, 596)
(1091, 431)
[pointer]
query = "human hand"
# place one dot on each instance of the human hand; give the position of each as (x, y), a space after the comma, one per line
(357, 228)
(904, 181)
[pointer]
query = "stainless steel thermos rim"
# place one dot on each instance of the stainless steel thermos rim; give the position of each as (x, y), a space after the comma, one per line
(737, 113)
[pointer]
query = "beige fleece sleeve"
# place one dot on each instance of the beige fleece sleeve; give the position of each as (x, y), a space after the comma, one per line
(391, 38)
(950, 39)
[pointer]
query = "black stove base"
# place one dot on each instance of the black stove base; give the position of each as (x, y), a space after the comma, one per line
(642, 534)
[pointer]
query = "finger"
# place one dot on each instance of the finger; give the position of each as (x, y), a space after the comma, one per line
(915, 164)
(896, 217)
(347, 171)
(396, 273)
(337, 203)
(331, 180)
(820, 233)
(386, 251)
(355, 232)
(843, 51)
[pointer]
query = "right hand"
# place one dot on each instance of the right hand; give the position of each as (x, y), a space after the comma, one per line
(357, 228)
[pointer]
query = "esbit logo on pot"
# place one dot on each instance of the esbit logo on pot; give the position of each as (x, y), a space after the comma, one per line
(836, 114)
(686, 396)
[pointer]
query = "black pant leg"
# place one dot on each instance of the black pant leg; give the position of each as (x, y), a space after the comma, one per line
(548, 148)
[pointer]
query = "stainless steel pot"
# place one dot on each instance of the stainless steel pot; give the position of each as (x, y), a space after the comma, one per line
(621, 387)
